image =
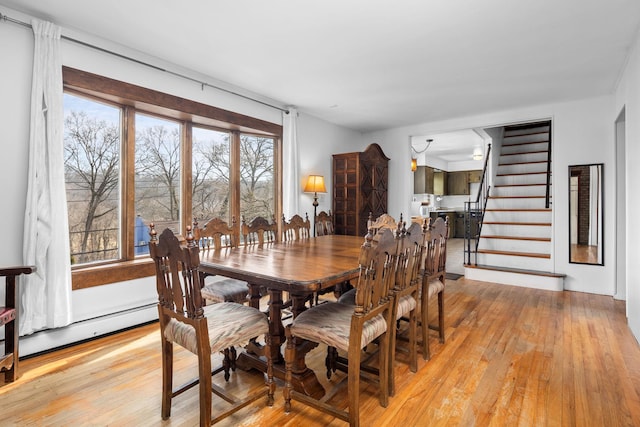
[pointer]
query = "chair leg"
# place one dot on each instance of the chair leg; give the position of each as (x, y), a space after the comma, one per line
(167, 377)
(384, 376)
(271, 384)
(424, 319)
(226, 363)
(288, 360)
(392, 355)
(441, 315)
(354, 384)
(413, 330)
(330, 361)
(204, 374)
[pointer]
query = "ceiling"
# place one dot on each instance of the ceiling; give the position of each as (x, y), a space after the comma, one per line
(370, 64)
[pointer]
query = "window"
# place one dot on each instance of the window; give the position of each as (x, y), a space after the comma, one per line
(256, 177)
(135, 156)
(92, 175)
(210, 172)
(157, 177)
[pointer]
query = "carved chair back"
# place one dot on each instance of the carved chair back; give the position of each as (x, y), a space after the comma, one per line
(258, 231)
(296, 229)
(324, 224)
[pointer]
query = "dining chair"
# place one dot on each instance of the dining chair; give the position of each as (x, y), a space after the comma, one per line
(10, 319)
(405, 293)
(383, 221)
(350, 329)
(258, 231)
(201, 329)
(324, 223)
(405, 297)
(296, 228)
(433, 278)
(324, 227)
(217, 235)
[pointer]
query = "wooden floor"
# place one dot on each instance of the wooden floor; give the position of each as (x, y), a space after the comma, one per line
(513, 356)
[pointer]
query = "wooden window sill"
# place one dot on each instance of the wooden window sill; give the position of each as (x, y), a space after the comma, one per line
(112, 273)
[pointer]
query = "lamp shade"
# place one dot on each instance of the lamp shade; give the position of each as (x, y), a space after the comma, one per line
(414, 164)
(315, 184)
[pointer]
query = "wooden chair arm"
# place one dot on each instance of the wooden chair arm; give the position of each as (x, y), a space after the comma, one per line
(16, 271)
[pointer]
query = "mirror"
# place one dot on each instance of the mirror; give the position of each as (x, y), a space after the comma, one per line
(586, 231)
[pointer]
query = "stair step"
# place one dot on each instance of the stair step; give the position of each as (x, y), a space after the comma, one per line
(518, 210)
(509, 253)
(516, 197)
(529, 238)
(534, 224)
(514, 144)
(522, 173)
(518, 185)
(528, 152)
(517, 270)
(522, 163)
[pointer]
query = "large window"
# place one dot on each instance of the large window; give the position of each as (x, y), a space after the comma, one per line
(92, 174)
(135, 156)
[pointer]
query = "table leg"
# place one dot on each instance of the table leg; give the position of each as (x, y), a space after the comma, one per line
(304, 379)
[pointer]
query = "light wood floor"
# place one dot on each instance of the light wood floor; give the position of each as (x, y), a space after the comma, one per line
(513, 356)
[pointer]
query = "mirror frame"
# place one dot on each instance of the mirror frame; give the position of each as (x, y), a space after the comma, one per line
(600, 215)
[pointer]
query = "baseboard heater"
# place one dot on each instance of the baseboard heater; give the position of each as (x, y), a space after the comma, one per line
(51, 339)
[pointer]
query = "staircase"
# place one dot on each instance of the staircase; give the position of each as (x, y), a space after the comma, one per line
(515, 242)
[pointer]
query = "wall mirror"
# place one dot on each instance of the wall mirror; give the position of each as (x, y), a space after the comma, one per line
(586, 214)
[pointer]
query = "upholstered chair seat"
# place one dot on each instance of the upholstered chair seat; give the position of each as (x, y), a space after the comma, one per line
(228, 323)
(225, 289)
(330, 324)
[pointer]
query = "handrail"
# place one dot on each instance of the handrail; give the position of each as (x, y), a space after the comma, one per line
(475, 215)
(548, 192)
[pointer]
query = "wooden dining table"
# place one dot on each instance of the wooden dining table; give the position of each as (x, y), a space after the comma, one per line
(299, 268)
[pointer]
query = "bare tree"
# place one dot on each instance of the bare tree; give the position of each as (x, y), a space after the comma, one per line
(158, 171)
(210, 179)
(92, 149)
(256, 175)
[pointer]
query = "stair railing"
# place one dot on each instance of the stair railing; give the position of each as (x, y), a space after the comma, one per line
(474, 215)
(548, 192)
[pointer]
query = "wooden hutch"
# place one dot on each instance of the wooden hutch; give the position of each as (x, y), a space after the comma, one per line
(360, 182)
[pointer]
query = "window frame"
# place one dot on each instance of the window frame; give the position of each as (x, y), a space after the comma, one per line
(132, 98)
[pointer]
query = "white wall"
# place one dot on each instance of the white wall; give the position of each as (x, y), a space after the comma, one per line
(318, 140)
(628, 97)
(582, 133)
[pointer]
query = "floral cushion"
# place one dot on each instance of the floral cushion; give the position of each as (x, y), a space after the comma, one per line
(405, 305)
(348, 298)
(224, 289)
(229, 324)
(435, 286)
(330, 324)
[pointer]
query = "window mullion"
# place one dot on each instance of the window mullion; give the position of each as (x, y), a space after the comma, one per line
(187, 177)
(128, 213)
(234, 176)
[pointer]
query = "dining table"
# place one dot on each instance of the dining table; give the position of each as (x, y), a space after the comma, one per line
(300, 268)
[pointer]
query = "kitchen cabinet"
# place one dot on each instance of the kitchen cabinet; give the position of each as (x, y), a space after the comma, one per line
(458, 183)
(440, 183)
(475, 176)
(423, 180)
(360, 182)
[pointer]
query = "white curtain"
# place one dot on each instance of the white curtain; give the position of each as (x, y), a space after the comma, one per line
(290, 170)
(46, 295)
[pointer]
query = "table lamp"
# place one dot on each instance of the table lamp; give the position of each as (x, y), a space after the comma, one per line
(315, 185)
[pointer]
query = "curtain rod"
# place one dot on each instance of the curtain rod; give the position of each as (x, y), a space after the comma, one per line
(4, 17)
